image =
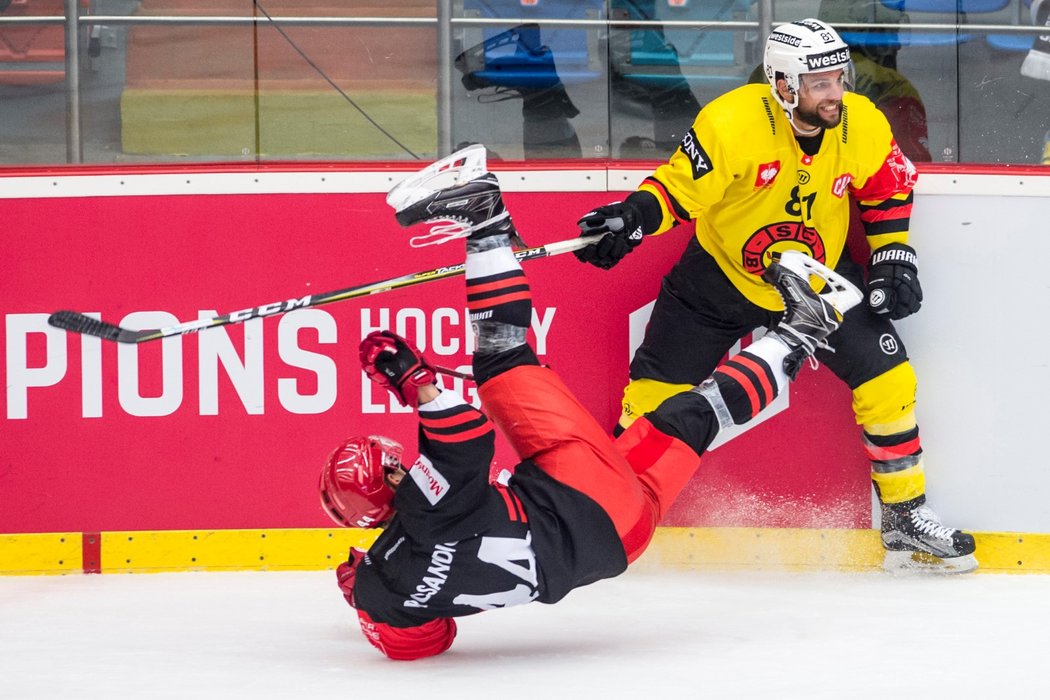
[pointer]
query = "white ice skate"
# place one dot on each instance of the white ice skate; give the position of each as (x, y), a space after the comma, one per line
(458, 194)
(809, 318)
(842, 294)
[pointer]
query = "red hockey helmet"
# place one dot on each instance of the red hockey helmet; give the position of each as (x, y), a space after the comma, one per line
(354, 491)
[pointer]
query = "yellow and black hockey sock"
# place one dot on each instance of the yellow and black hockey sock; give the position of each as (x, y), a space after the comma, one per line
(896, 464)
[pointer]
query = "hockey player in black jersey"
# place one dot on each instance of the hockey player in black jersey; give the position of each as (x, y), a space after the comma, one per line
(580, 506)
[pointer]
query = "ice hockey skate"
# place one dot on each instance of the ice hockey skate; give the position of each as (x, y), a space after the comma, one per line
(809, 318)
(459, 195)
(916, 541)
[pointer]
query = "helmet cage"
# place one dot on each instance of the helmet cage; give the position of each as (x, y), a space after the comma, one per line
(353, 487)
(798, 48)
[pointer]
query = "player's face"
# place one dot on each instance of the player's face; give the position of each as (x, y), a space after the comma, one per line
(820, 98)
(394, 477)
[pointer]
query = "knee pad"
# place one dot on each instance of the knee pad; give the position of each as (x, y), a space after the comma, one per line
(887, 399)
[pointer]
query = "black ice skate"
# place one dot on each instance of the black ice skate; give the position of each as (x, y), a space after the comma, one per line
(458, 191)
(915, 540)
(809, 317)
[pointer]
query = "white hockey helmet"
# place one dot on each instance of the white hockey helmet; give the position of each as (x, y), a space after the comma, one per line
(805, 46)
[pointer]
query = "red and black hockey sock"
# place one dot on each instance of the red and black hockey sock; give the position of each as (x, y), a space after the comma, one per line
(748, 384)
(498, 299)
(501, 298)
(739, 388)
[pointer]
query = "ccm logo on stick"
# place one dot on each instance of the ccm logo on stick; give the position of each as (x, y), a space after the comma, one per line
(268, 309)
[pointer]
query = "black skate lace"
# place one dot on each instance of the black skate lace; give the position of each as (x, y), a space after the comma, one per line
(927, 522)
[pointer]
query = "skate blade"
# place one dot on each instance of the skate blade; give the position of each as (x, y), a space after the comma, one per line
(904, 563)
(840, 292)
(464, 165)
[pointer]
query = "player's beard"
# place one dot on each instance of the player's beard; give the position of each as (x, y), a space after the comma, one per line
(813, 117)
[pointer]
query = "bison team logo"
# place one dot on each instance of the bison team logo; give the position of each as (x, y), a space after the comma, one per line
(841, 185)
(767, 172)
(761, 244)
(903, 169)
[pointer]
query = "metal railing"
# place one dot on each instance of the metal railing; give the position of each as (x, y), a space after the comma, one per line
(443, 22)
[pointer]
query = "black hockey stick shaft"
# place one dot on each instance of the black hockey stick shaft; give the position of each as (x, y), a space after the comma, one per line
(76, 322)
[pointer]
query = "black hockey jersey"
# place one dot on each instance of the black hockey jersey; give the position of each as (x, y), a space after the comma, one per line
(459, 545)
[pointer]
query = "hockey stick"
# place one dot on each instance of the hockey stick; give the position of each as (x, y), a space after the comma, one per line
(453, 373)
(76, 322)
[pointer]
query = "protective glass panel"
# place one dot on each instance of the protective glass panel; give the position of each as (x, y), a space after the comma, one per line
(156, 81)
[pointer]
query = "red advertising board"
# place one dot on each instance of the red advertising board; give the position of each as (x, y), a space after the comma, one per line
(228, 428)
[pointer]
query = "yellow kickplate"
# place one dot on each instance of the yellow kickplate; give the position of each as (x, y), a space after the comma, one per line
(808, 549)
(215, 550)
(316, 549)
(764, 548)
(1006, 551)
(44, 553)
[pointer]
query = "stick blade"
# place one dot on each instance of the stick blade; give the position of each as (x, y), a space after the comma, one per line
(76, 322)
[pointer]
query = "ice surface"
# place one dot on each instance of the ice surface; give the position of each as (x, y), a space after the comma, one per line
(648, 634)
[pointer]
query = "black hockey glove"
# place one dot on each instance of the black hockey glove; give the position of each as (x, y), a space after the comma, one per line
(622, 222)
(893, 281)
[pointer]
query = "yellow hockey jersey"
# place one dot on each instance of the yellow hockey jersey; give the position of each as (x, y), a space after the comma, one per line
(742, 176)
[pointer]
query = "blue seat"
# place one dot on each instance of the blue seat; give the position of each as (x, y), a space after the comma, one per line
(904, 38)
(531, 55)
(1011, 42)
(664, 56)
(908, 38)
(947, 6)
(1018, 43)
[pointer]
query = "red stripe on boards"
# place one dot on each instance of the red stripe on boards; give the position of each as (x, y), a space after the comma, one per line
(91, 548)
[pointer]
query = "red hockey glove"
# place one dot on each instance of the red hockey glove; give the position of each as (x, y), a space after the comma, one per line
(346, 573)
(393, 364)
(893, 281)
(409, 643)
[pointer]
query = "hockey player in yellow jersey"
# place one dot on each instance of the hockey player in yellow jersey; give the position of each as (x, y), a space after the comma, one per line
(769, 168)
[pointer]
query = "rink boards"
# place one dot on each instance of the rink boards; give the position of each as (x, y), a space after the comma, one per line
(223, 432)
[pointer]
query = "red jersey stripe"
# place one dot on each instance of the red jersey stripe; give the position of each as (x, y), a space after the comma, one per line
(515, 510)
(521, 508)
(449, 421)
(460, 436)
(667, 201)
(901, 212)
(511, 511)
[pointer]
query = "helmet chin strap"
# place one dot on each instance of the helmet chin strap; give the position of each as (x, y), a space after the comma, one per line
(803, 132)
(789, 112)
